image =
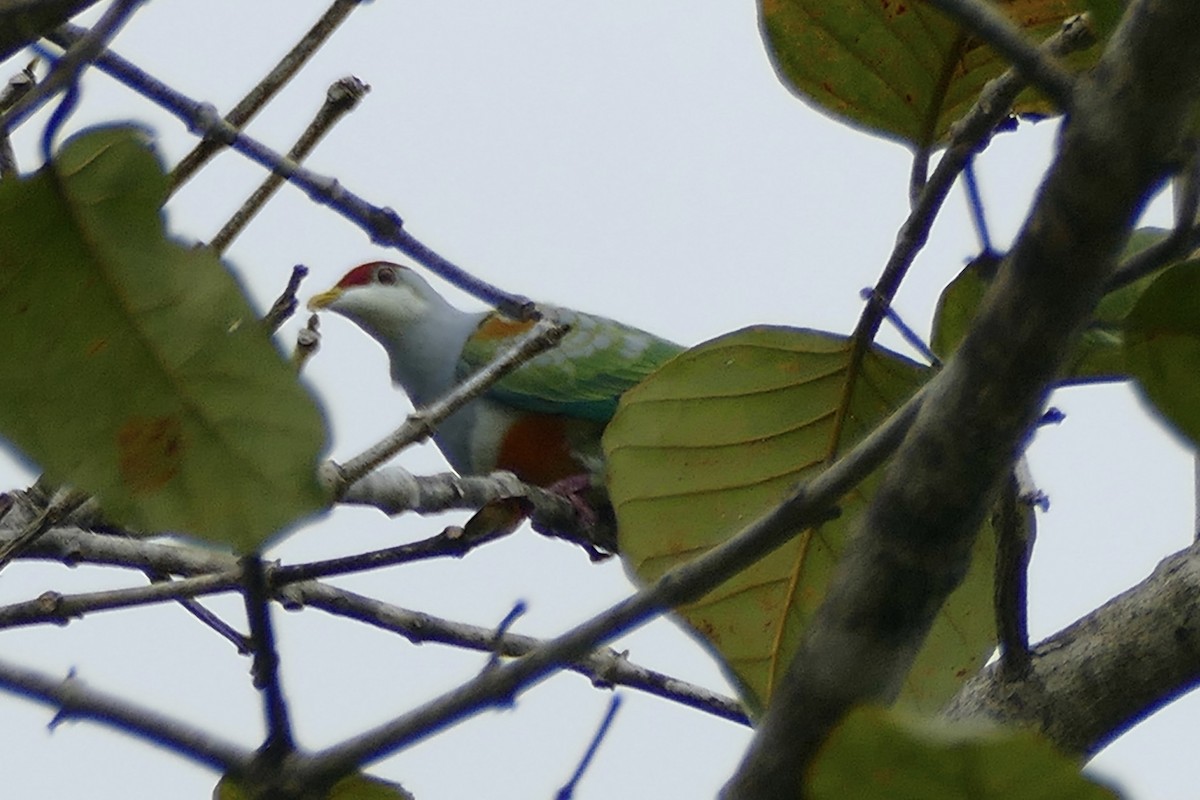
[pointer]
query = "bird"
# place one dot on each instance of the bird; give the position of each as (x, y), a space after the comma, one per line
(544, 420)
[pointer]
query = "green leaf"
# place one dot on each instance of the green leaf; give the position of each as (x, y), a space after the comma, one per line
(881, 755)
(717, 437)
(959, 302)
(137, 370)
(356, 786)
(1162, 346)
(1098, 356)
(898, 67)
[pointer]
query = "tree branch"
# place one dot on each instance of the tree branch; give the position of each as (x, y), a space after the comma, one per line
(1092, 681)
(342, 97)
(215, 572)
(75, 701)
(604, 667)
(914, 543)
(394, 490)
(267, 88)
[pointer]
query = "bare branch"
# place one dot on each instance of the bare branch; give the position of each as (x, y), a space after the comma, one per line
(286, 304)
(568, 790)
(394, 490)
(1092, 681)
(64, 502)
(1015, 523)
(342, 98)
(603, 667)
(60, 608)
(279, 743)
(267, 88)
(76, 701)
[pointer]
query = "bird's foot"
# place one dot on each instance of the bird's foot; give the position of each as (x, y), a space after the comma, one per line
(595, 521)
(575, 489)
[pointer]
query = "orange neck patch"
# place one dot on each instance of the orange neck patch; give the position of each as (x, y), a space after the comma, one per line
(498, 326)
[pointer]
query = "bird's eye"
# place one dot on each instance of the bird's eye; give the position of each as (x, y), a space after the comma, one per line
(387, 276)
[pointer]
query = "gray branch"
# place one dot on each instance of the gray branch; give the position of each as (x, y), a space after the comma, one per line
(1092, 681)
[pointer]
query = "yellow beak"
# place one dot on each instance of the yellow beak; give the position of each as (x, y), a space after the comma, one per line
(324, 299)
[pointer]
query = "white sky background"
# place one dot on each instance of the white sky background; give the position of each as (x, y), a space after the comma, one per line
(635, 159)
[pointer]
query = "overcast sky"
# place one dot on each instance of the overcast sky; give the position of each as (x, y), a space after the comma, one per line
(635, 159)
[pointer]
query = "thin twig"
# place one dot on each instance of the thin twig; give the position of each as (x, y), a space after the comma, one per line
(1038, 67)
(382, 224)
(76, 701)
(1014, 521)
(968, 136)
(568, 789)
(286, 304)
(60, 608)
(394, 490)
(215, 572)
(604, 667)
(447, 544)
(975, 204)
(308, 342)
(279, 743)
(906, 332)
(267, 88)
(421, 423)
(515, 613)
(342, 98)
(206, 617)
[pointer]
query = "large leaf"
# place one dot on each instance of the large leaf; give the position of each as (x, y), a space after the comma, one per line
(881, 755)
(1162, 346)
(897, 67)
(720, 435)
(134, 367)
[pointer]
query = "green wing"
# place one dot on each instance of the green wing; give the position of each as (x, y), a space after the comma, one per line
(595, 363)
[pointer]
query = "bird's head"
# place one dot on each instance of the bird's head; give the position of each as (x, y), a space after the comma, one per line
(381, 297)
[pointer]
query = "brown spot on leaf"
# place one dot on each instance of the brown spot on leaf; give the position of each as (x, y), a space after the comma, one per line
(96, 346)
(149, 449)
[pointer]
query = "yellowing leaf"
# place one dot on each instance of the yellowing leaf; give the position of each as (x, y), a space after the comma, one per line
(898, 67)
(881, 755)
(134, 367)
(720, 435)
